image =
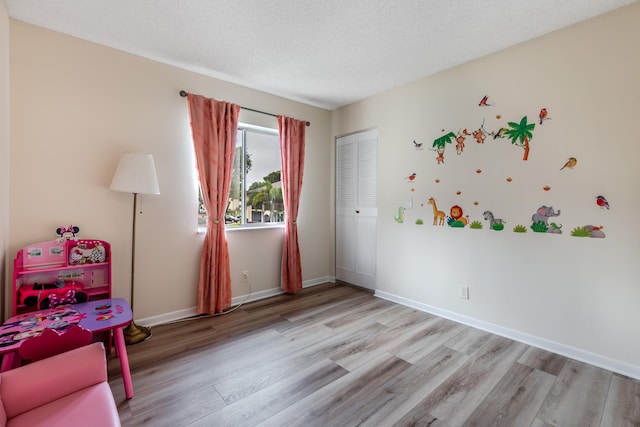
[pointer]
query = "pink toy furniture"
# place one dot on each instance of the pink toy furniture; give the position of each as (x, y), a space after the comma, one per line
(112, 314)
(69, 389)
(50, 343)
(98, 316)
(84, 265)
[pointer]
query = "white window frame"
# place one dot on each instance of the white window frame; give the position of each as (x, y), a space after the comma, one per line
(243, 225)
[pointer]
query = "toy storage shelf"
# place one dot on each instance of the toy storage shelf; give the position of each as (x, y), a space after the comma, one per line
(53, 267)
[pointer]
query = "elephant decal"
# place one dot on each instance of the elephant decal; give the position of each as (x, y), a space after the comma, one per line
(540, 220)
(543, 214)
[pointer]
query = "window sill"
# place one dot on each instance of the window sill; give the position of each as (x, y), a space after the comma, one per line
(202, 230)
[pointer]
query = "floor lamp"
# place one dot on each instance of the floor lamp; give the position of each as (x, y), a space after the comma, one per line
(136, 174)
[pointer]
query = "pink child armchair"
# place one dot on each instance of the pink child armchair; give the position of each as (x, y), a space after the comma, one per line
(69, 389)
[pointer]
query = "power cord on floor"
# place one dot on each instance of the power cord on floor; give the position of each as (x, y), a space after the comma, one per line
(204, 316)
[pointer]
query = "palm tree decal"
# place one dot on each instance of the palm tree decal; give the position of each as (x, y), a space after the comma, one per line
(439, 143)
(520, 134)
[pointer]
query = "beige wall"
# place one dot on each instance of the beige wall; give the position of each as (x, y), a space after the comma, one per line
(76, 106)
(4, 156)
(577, 296)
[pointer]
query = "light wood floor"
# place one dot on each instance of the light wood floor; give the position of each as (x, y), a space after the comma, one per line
(335, 355)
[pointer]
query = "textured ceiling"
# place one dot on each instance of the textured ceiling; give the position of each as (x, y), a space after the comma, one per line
(326, 53)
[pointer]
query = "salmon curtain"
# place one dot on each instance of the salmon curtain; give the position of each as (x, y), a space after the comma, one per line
(214, 125)
(292, 156)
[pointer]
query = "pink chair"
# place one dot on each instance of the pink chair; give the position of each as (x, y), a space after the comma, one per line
(66, 390)
(50, 343)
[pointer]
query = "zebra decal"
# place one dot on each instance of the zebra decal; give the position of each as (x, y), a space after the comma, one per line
(494, 223)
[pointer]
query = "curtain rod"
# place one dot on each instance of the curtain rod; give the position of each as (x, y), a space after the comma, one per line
(183, 94)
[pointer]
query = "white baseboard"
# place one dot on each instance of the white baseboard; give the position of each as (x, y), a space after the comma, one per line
(167, 317)
(318, 281)
(605, 362)
(241, 299)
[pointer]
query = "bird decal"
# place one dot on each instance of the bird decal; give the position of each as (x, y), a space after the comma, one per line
(418, 145)
(500, 133)
(570, 163)
(543, 115)
(484, 102)
(411, 177)
(602, 202)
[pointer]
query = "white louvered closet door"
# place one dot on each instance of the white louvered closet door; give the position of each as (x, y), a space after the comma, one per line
(356, 208)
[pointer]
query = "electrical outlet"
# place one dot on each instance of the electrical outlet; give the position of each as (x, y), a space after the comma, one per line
(245, 276)
(464, 292)
(408, 204)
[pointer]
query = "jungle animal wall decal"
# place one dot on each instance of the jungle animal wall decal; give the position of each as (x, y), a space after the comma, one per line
(543, 115)
(400, 215)
(571, 162)
(494, 223)
(455, 218)
(439, 144)
(438, 215)
(588, 231)
(411, 177)
(520, 134)
(480, 135)
(484, 102)
(540, 220)
(601, 201)
(460, 141)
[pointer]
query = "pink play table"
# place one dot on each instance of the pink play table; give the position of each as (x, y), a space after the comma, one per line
(111, 314)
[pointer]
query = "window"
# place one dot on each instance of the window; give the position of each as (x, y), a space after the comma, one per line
(255, 198)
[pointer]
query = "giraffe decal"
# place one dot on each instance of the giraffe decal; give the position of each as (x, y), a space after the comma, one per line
(438, 216)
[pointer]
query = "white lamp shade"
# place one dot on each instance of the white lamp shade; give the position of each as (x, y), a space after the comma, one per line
(136, 173)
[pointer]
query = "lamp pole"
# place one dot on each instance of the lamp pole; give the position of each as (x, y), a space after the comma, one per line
(133, 246)
(133, 333)
(135, 174)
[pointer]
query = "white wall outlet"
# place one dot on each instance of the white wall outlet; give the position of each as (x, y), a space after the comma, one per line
(408, 204)
(245, 276)
(464, 292)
